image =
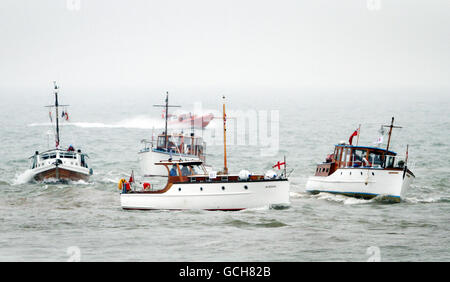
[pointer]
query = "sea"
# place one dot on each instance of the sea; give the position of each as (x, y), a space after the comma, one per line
(83, 221)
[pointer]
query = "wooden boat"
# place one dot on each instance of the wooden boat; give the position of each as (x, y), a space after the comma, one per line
(58, 164)
(190, 186)
(363, 172)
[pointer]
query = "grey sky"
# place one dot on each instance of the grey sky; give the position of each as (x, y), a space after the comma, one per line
(208, 43)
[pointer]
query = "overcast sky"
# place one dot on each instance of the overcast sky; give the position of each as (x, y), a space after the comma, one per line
(207, 43)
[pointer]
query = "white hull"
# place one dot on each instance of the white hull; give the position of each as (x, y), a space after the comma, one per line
(365, 183)
(212, 197)
(148, 159)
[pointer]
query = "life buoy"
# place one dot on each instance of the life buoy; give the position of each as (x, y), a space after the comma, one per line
(121, 183)
(146, 186)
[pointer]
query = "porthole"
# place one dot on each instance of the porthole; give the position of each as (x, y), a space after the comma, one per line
(373, 173)
(201, 188)
(341, 172)
(223, 187)
(246, 187)
(179, 189)
(350, 173)
(361, 173)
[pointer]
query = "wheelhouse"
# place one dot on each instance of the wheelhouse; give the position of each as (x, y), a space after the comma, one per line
(348, 156)
(65, 157)
(181, 144)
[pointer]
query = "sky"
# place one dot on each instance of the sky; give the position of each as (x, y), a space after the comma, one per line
(173, 44)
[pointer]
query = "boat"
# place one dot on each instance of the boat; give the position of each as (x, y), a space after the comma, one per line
(189, 119)
(169, 145)
(363, 172)
(190, 186)
(59, 165)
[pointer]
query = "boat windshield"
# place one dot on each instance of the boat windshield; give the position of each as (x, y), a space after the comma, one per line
(197, 169)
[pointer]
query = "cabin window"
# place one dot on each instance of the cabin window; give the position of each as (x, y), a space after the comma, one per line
(160, 143)
(348, 153)
(338, 154)
(358, 156)
(67, 155)
(390, 161)
(49, 156)
(173, 171)
(185, 171)
(375, 159)
(197, 169)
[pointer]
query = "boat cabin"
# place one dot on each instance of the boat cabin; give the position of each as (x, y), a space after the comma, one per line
(177, 144)
(74, 158)
(349, 156)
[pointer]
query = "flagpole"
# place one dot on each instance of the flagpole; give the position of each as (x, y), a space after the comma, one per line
(225, 168)
(359, 131)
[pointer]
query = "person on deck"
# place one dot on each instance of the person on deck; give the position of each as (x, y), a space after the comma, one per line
(185, 171)
(71, 148)
(173, 171)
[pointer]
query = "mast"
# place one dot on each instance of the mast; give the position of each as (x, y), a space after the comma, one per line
(166, 143)
(225, 168)
(390, 132)
(56, 105)
(57, 114)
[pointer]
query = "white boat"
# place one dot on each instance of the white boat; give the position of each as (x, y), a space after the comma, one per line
(168, 146)
(363, 172)
(58, 164)
(199, 190)
(190, 186)
(179, 146)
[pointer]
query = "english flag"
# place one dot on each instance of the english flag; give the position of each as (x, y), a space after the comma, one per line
(379, 140)
(278, 164)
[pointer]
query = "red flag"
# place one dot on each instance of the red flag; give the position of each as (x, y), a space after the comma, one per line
(351, 136)
(278, 164)
(131, 177)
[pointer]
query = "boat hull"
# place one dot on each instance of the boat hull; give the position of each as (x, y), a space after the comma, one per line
(212, 196)
(363, 183)
(61, 174)
(147, 160)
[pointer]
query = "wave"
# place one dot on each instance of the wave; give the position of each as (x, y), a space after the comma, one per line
(138, 122)
(414, 200)
(25, 177)
(339, 198)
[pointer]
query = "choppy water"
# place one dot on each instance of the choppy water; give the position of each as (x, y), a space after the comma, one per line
(43, 222)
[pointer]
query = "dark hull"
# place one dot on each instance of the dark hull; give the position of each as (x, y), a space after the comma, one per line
(61, 174)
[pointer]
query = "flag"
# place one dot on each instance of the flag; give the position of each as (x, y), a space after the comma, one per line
(379, 140)
(351, 136)
(278, 164)
(131, 177)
